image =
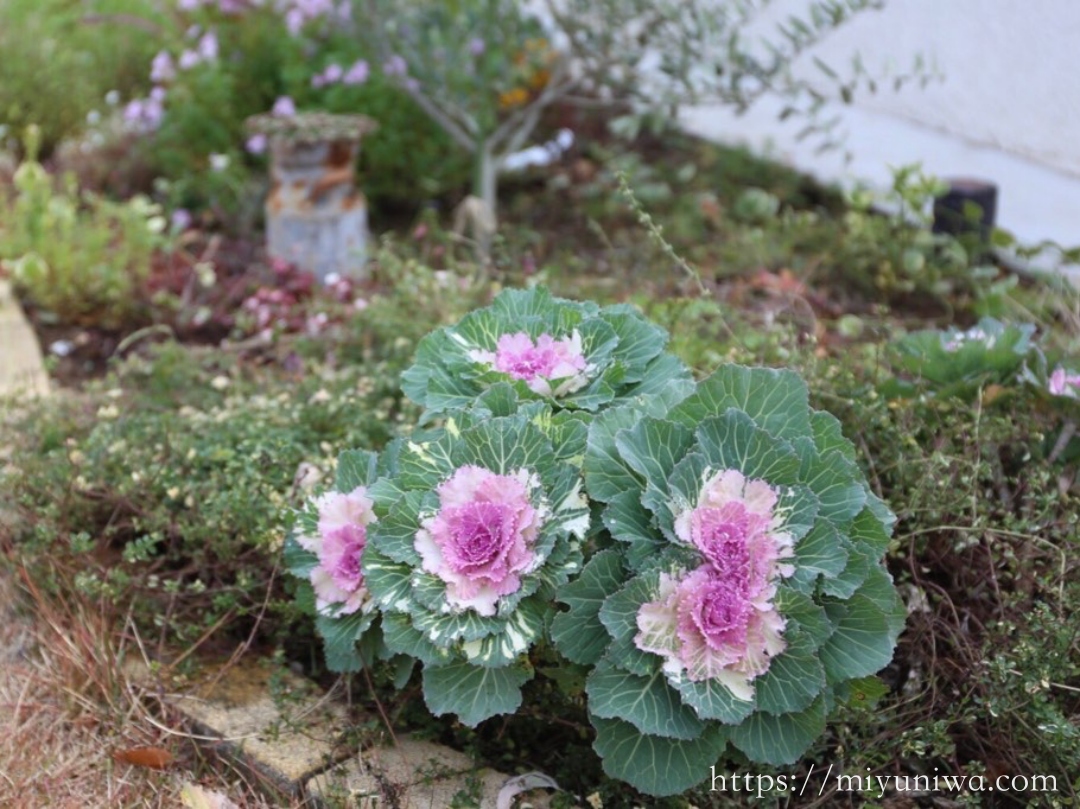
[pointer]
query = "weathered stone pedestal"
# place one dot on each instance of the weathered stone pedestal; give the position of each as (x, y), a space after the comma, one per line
(315, 216)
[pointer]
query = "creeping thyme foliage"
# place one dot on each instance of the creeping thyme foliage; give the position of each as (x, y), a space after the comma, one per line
(715, 549)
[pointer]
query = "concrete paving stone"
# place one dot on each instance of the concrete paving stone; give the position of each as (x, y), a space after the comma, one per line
(415, 774)
(22, 370)
(285, 741)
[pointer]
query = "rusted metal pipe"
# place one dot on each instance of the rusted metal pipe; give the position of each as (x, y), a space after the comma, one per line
(315, 216)
(968, 206)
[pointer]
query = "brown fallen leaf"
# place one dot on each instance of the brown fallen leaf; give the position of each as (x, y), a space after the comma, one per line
(153, 757)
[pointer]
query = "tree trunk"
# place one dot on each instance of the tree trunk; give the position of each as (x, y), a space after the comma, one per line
(485, 184)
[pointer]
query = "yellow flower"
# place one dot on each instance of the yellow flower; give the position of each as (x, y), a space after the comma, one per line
(513, 98)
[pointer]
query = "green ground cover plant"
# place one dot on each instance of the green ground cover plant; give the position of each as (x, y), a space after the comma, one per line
(981, 552)
(165, 491)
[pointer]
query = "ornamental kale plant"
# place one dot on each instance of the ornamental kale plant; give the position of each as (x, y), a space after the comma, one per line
(957, 363)
(745, 588)
(325, 550)
(487, 523)
(715, 548)
(571, 355)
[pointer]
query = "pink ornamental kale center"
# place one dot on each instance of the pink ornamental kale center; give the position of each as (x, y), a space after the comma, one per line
(480, 533)
(518, 356)
(340, 555)
(712, 610)
(721, 534)
(481, 540)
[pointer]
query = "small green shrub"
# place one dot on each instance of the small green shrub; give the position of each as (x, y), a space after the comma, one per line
(897, 254)
(258, 62)
(62, 58)
(81, 257)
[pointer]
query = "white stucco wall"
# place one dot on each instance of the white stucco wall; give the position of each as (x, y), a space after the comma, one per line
(1011, 70)
(1007, 109)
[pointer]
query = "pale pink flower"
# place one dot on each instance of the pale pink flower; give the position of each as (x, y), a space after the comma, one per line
(256, 144)
(180, 220)
(208, 46)
(188, 59)
(541, 363)
(1063, 383)
(734, 523)
(294, 21)
(395, 66)
(162, 68)
(284, 107)
(357, 74)
(133, 111)
(146, 115)
(338, 578)
(481, 540)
